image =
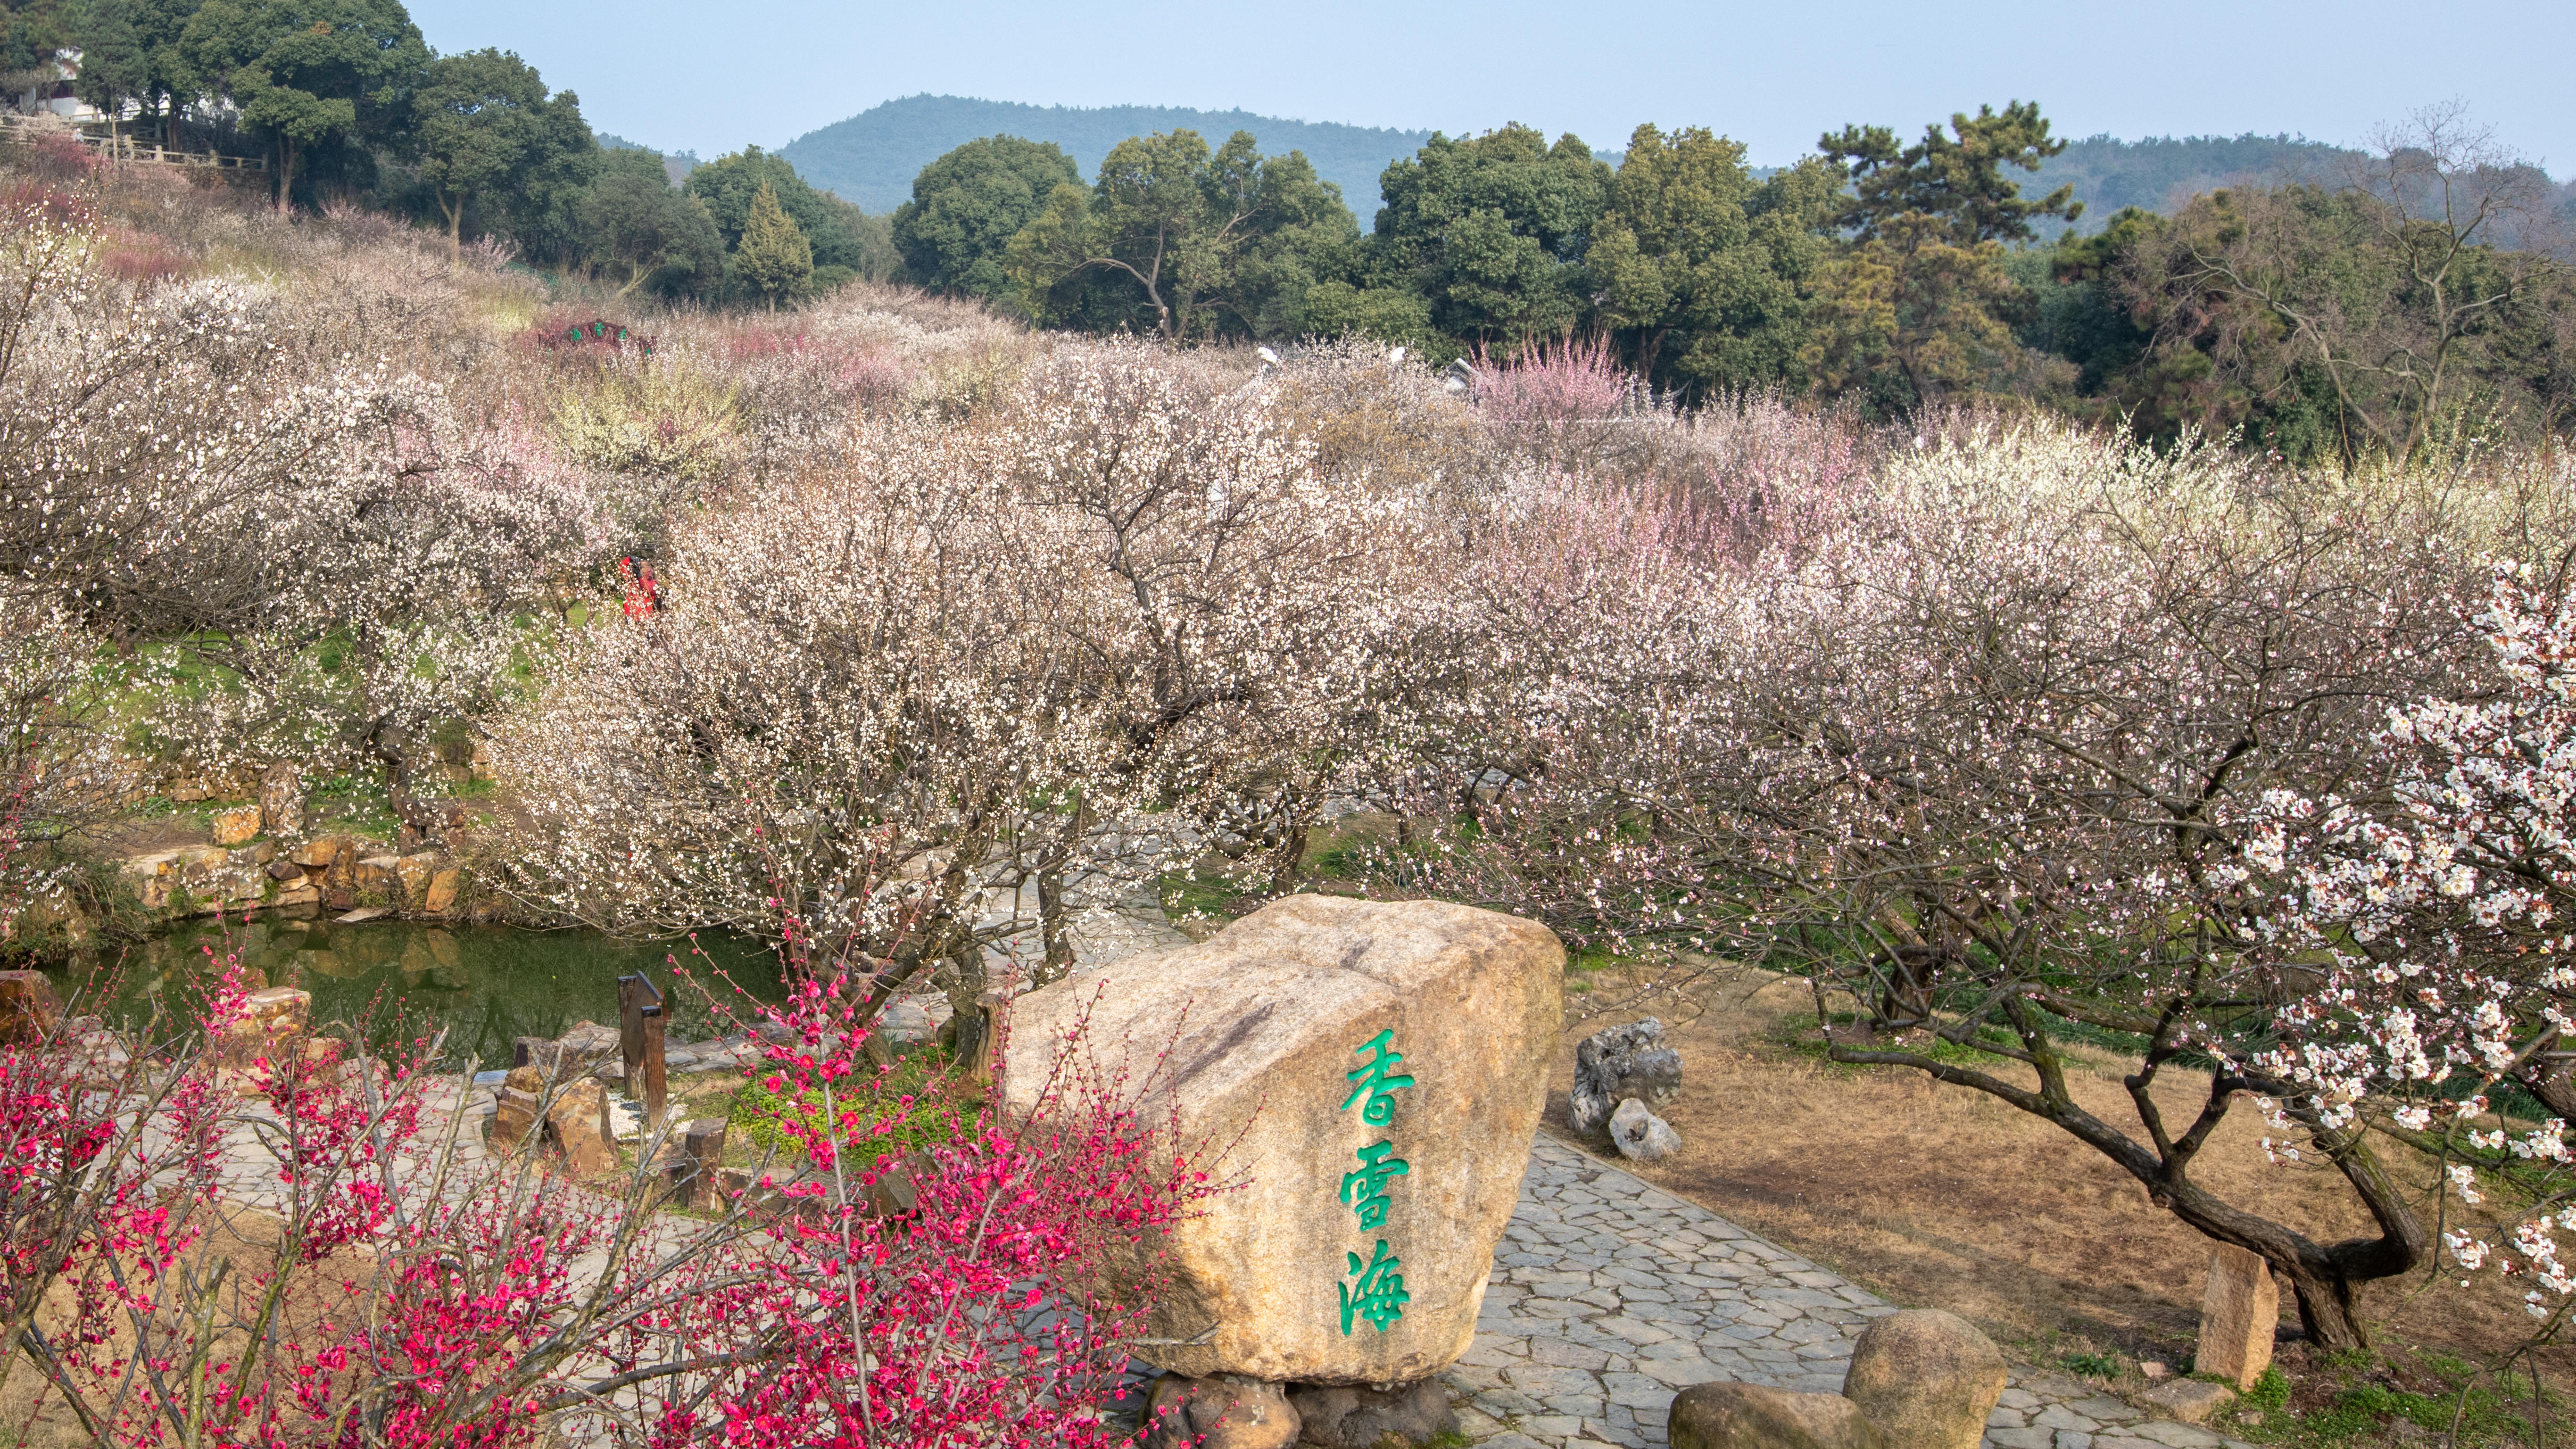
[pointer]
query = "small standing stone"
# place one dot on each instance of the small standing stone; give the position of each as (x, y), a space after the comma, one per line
(515, 1105)
(693, 1177)
(1623, 1062)
(1752, 1416)
(1927, 1377)
(2238, 1312)
(1228, 1411)
(1640, 1135)
(574, 1119)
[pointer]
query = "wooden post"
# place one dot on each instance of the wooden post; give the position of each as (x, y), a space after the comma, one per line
(639, 1024)
(701, 1152)
(991, 1007)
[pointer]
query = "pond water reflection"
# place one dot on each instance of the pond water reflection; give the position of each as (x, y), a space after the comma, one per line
(483, 984)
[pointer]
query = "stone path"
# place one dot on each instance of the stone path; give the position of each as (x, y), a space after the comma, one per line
(1610, 1295)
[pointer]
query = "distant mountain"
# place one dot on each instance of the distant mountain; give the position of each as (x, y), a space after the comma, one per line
(2162, 172)
(872, 157)
(675, 164)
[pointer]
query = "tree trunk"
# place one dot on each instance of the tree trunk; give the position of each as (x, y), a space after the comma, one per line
(455, 226)
(1292, 855)
(2322, 1277)
(1052, 920)
(963, 980)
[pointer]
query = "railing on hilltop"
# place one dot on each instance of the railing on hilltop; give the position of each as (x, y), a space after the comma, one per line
(126, 148)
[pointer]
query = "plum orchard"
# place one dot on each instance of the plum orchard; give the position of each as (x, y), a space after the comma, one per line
(1998, 733)
(1124, 599)
(1981, 741)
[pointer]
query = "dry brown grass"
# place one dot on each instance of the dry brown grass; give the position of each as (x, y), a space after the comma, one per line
(1938, 1196)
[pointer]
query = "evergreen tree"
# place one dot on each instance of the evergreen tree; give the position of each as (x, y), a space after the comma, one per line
(1491, 232)
(1702, 268)
(774, 258)
(728, 183)
(967, 205)
(482, 123)
(114, 68)
(634, 218)
(307, 73)
(1920, 304)
(1187, 241)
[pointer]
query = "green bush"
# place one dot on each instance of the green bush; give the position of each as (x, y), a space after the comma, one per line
(932, 1117)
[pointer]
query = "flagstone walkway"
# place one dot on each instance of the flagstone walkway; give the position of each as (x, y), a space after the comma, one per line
(1610, 1295)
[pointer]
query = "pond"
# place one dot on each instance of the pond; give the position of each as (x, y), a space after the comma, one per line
(483, 985)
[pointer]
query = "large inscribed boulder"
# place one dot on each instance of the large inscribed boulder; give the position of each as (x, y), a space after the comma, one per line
(1375, 1073)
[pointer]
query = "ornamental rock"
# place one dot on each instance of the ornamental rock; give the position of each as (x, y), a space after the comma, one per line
(1375, 1074)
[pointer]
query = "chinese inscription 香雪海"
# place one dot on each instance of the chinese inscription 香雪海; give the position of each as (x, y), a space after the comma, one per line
(1378, 1295)
(1376, 1079)
(1365, 1190)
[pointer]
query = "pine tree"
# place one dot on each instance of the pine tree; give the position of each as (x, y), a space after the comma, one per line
(774, 258)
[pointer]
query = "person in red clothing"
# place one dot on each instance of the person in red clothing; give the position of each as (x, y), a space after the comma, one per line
(643, 591)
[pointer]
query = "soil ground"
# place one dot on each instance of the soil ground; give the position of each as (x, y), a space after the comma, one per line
(1939, 1196)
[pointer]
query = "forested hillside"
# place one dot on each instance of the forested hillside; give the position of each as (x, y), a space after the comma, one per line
(2108, 173)
(872, 157)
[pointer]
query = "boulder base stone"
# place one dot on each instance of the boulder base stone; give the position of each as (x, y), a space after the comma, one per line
(1625, 1061)
(2239, 1310)
(1640, 1135)
(1357, 1416)
(1751, 1416)
(1927, 1377)
(415, 873)
(1226, 1412)
(1273, 1042)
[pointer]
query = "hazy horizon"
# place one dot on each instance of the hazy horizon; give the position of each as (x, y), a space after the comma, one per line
(2329, 72)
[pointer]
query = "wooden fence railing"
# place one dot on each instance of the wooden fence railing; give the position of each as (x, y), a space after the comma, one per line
(126, 148)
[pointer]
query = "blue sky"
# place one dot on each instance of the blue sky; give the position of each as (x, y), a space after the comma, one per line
(712, 77)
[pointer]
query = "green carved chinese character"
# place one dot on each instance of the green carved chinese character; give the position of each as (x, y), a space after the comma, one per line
(1375, 1079)
(1379, 1295)
(1365, 1190)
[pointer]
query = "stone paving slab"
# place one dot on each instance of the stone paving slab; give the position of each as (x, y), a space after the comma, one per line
(1610, 1295)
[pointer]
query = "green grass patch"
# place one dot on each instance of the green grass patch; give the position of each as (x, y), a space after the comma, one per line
(2360, 1409)
(1195, 895)
(934, 1116)
(2090, 1365)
